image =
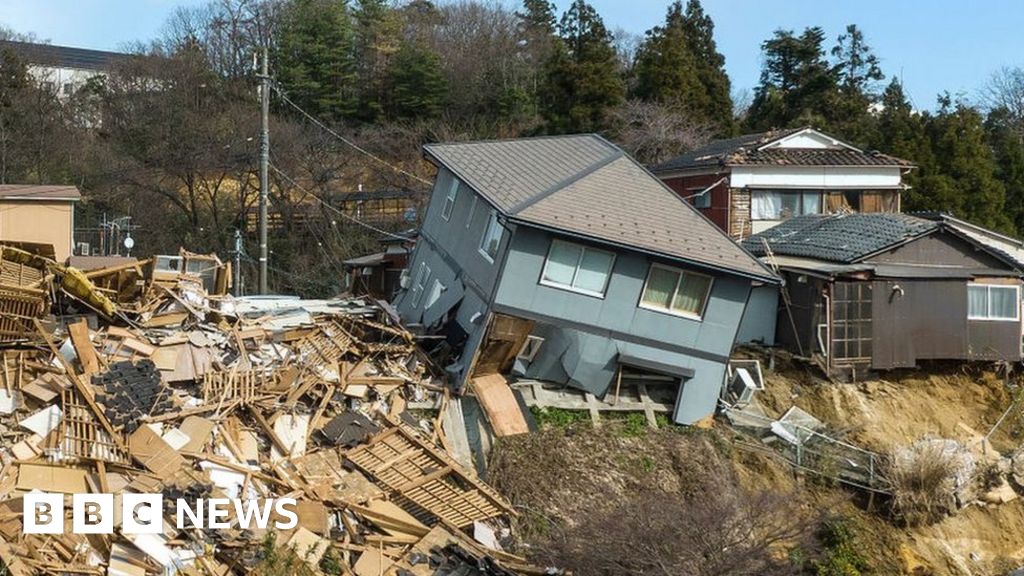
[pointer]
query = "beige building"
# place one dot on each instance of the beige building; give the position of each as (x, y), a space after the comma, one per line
(42, 214)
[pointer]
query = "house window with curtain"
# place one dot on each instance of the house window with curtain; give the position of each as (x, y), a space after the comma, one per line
(492, 237)
(676, 291)
(578, 268)
(993, 302)
(783, 204)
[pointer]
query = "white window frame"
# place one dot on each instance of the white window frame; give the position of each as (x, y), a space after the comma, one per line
(491, 219)
(669, 310)
(449, 200)
(420, 283)
(569, 287)
(989, 287)
(472, 212)
(530, 348)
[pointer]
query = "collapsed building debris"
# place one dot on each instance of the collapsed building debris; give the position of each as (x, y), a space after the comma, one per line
(147, 377)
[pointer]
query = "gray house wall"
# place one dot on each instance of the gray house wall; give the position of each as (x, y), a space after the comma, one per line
(584, 334)
(760, 317)
(450, 249)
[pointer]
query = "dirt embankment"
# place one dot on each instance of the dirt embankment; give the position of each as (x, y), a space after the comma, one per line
(961, 403)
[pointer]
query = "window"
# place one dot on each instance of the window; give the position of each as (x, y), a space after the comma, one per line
(492, 237)
(435, 294)
(700, 200)
(449, 200)
(577, 268)
(675, 291)
(780, 205)
(472, 211)
(993, 302)
(530, 348)
(420, 282)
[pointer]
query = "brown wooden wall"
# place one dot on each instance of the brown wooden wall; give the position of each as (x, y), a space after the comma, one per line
(686, 185)
(929, 322)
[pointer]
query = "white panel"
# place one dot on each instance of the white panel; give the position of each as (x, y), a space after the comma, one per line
(806, 140)
(815, 177)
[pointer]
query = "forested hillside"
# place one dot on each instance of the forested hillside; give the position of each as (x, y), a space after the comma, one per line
(171, 136)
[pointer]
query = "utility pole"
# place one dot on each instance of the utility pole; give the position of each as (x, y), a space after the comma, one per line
(264, 163)
(238, 262)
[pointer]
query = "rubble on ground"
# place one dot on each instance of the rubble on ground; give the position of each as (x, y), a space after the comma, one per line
(149, 378)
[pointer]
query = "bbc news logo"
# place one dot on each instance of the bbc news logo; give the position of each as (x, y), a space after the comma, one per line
(143, 513)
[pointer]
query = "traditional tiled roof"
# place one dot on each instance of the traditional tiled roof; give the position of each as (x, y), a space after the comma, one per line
(583, 185)
(843, 238)
(750, 150)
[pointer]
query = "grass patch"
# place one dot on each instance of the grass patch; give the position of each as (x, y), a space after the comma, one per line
(559, 417)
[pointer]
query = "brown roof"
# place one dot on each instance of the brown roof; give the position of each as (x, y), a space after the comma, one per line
(813, 157)
(586, 186)
(749, 150)
(39, 192)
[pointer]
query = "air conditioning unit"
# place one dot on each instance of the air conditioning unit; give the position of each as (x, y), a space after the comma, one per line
(82, 248)
(744, 379)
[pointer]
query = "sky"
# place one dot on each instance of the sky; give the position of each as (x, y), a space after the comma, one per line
(933, 45)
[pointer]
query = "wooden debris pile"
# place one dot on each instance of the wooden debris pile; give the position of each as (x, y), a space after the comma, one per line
(148, 378)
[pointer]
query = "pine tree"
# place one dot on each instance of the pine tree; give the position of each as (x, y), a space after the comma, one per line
(901, 132)
(313, 58)
(417, 84)
(798, 86)
(582, 80)
(857, 72)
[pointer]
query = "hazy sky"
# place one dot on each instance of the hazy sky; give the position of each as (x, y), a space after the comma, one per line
(934, 45)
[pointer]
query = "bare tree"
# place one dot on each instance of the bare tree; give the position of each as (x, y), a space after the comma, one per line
(653, 132)
(1005, 90)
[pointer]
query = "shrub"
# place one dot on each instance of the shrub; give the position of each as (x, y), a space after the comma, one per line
(922, 478)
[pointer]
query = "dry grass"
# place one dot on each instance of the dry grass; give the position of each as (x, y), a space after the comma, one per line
(922, 478)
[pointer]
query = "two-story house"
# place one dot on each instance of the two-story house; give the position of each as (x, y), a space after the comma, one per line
(750, 183)
(561, 259)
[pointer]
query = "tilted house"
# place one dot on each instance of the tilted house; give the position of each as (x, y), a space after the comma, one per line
(561, 259)
(881, 291)
(748, 184)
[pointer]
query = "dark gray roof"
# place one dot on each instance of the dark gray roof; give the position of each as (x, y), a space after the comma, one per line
(746, 150)
(586, 186)
(844, 238)
(714, 152)
(63, 56)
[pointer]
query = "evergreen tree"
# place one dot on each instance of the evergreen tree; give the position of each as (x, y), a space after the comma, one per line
(582, 80)
(1008, 147)
(901, 132)
(679, 65)
(857, 73)
(377, 38)
(313, 57)
(964, 178)
(700, 33)
(417, 84)
(666, 68)
(535, 34)
(797, 85)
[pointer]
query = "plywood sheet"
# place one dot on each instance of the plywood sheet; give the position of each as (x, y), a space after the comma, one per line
(499, 403)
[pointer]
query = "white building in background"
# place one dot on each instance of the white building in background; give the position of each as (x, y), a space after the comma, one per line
(63, 69)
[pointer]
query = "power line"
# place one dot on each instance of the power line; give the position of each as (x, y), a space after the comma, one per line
(333, 209)
(349, 142)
